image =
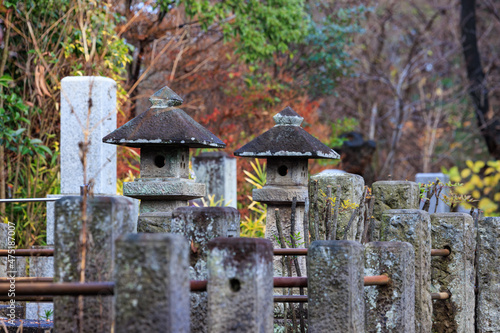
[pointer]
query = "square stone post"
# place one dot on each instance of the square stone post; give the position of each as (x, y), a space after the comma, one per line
(200, 225)
(351, 187)
(335, 287)
(240, 285)
(107, 218)
(488, 275)
(392, 194)
(390, 308)
(152, 283)
(454, 273)
(414, 226)
(217, 170)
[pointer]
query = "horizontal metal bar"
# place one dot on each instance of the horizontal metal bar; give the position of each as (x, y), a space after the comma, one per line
(440, 252)
(377, 280)
(290, 298)
(26, 279)
(60, 289)
(291, 252)
(28, 298)
(28, 200)
(28, 252)
(442, 295)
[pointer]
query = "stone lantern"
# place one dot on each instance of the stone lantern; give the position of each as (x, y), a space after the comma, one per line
(287, 147)
(164, 134)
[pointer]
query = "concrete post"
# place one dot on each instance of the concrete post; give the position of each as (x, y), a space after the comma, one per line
(352, 187)
(240, 285)
(455, 273)
(390, 308)
(152, 283)
(200, 225)
(488, 275)
(425, 178)
(217, 171)
(40, 267)
(107, 218)
(392, 194)
(335, 287)
(414, 226)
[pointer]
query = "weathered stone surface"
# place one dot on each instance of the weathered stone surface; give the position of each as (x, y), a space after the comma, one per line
(200, 225)
(351, 188)
(40, 267)
(152, 283)
(164, 162)
(108, 217)
(455, 273)
(414, 226)
(425, 178)
(217, 171)
(394, 194)
(335, 287)
(163, 189)
(488, 275)
(78, 94)
(390, 308)
(240, 285)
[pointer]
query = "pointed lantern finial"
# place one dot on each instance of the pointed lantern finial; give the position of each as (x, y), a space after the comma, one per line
(164, 98)
(287, 117)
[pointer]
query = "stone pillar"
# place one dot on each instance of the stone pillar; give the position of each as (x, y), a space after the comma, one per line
(425, 178)
(351, 187)
(40, 267)
(217, 171)
(455, 273)
(240, 285)
(390, 308)
(152, 283)
(335, 287)
(108, 217)
(414, 226)
(488, 275)
(200, 225)
(392, 194)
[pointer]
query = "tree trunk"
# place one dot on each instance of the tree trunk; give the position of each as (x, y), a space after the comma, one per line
(488, 122)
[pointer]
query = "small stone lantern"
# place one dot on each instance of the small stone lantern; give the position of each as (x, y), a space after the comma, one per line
(164, 134)
(287, 147)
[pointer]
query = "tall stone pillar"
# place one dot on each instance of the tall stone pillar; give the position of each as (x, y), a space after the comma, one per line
(107, 218)
(240, 285)
(199, 225)
(390, 308)
(335, 288)
(152, 284)
(414, 226)
(454, 273)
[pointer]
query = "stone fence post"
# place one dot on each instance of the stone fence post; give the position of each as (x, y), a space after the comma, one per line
(351, 188)
(414, 226)
(240, 285)
(488, 275)
(390, 308)
(200, 225)
(454, 273)
(107, 218)
(335, 287)
(152, 283)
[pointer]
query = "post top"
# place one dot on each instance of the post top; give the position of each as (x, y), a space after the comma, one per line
(164, 125)
(286, 138)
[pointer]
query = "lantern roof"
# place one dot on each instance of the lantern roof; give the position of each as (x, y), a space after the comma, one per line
(164, 125)
(287, 139)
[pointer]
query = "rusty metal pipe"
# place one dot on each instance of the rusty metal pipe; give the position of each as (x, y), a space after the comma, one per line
(290, 252)
(28, 298)
(440, 252)
(290, 298)
(377, 280)
(61, 289)
(28, 252)
(198, 285)
(441, 296)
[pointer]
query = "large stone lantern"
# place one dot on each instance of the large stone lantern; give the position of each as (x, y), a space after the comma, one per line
(287, 147)
(164, 134)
